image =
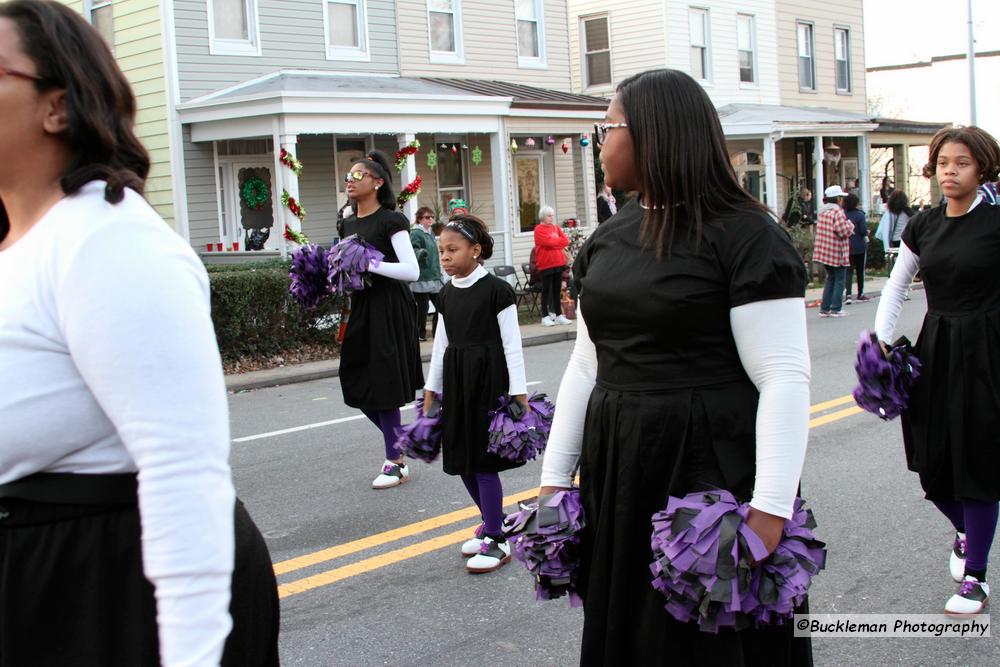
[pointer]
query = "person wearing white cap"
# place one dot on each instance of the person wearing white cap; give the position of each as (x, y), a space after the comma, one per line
(832, 249)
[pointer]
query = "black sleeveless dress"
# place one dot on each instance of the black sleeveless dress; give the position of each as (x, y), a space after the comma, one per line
(380, 358)
(950, 429)
(475, 373)
(673, 412)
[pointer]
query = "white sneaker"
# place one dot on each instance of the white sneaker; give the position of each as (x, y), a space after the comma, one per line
(492, 556)
(956, 562)
(393, 474)
(970, 599)
(547, 321)
(471, 547)
(562, 319)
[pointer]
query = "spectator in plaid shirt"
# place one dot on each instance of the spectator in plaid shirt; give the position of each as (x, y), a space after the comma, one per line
(832, 250)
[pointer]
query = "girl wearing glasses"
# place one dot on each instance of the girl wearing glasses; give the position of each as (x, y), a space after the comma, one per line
(690, 371)
(121, 541)
(477, 358)
(380, 367)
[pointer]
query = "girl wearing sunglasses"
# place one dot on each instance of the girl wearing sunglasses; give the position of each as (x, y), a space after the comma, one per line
(380, 367)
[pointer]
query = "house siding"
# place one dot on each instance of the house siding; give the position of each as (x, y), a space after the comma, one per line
(291, 37)
(490, 44)
(825, 16)
(138, 45)
(317, 189)
(202, 203)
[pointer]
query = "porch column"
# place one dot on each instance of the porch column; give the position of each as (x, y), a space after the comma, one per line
(864, 173)
(818, 171)
(589, 184)
(407, 175)
(502, 193)
(285, 181)
(771, 174)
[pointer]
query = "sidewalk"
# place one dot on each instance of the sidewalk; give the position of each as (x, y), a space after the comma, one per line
(531, 335)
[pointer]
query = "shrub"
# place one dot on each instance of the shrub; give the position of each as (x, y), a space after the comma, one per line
(255, 317)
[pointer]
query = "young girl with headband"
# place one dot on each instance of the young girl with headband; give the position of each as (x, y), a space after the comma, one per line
(380, 359)
(477, 358)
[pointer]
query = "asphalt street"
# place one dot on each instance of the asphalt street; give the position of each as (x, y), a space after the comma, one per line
(375, 577)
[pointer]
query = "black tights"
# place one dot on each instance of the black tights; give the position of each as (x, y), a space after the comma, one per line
(552, 291)
(423, 300)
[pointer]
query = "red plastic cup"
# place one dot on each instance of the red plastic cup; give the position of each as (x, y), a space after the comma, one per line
(209, 247)
(236, 246)
(218, 247)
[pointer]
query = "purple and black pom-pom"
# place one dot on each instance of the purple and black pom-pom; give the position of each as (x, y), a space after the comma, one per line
(519, 435)
(546, 538)
(421, 439)
(884, 383)
(349, 262)
(704, 563)
(309, 275)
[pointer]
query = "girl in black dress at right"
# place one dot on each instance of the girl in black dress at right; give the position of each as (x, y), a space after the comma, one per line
(951, 424)
(690, 372)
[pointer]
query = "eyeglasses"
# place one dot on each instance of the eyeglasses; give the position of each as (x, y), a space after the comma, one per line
(601, 130)
(356, 175)
(6, 71)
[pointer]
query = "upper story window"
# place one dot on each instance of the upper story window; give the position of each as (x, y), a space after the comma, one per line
(232, 27)
(597, 50)
(100, 15)
(807, 55)
(842, 58)
(530, 32)
(746, 47)
(698, 30)
(346, 29)
(445, 20)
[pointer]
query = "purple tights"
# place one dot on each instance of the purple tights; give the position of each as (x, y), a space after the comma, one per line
(388, 422)
(978, 520)
(485, 490)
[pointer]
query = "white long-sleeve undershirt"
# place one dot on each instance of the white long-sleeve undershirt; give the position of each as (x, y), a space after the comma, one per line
(406, 269)
(510, 334)
(773, 347)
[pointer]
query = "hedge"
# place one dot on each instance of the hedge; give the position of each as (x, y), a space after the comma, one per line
(255, 317)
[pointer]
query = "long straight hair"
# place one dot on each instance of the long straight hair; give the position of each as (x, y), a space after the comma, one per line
(685, 174)
(70, 54)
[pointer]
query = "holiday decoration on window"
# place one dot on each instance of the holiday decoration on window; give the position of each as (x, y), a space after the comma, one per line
(405, 152)
(477, 155)
(444, 147)
(409, 192)
(529, 142)
(584, 141)
(513, 145)
(296, 208)
(291, 162)
(432, 160)
(255, 193)
(454, 149)
(565, 146)
(550, 141)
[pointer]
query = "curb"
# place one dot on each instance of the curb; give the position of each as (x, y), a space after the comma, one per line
(321, 370)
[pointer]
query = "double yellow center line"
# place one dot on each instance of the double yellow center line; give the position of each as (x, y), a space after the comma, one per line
(442, 541)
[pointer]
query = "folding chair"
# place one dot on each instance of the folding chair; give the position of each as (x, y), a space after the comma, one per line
(507, 272)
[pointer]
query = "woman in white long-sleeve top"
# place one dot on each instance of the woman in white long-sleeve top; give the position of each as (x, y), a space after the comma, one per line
(690, 372)
(118, 544)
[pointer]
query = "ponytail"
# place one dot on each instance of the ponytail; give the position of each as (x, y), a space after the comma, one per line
(378, 165)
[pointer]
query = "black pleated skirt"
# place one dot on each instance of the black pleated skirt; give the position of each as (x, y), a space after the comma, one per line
(639, 448)
(73, 592)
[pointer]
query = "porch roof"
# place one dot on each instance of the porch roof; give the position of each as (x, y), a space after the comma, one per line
(317, 102)
(769, 119)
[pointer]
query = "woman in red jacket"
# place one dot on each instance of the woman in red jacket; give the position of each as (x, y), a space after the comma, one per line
(550, 256)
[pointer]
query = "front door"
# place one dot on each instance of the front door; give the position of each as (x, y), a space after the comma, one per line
(249, 205)
(530, 190)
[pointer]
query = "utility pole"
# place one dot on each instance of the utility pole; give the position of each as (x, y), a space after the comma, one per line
(972, 69)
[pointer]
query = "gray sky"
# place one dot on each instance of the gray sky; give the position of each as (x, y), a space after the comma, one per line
(902, 31)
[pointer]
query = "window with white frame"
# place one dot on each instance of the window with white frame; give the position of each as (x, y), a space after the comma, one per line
(842, 58)
(746, 47)
(597, 51)
(530, 31)
(346, 29)
(807, 55)
(698, 31)
(445, 20)
(232, 27)
(100, 15)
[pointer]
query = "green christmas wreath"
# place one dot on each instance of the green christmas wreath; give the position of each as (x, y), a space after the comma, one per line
(255, 193)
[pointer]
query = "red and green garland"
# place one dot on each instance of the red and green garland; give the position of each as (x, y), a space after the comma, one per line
(291, 162)
(296, 208)
(409, 192)
(295, 237)
(405, 152)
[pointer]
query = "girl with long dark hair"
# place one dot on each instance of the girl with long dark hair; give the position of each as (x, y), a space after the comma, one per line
(121, 541)
(690, 372)
(380, 358)
(950, 426)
